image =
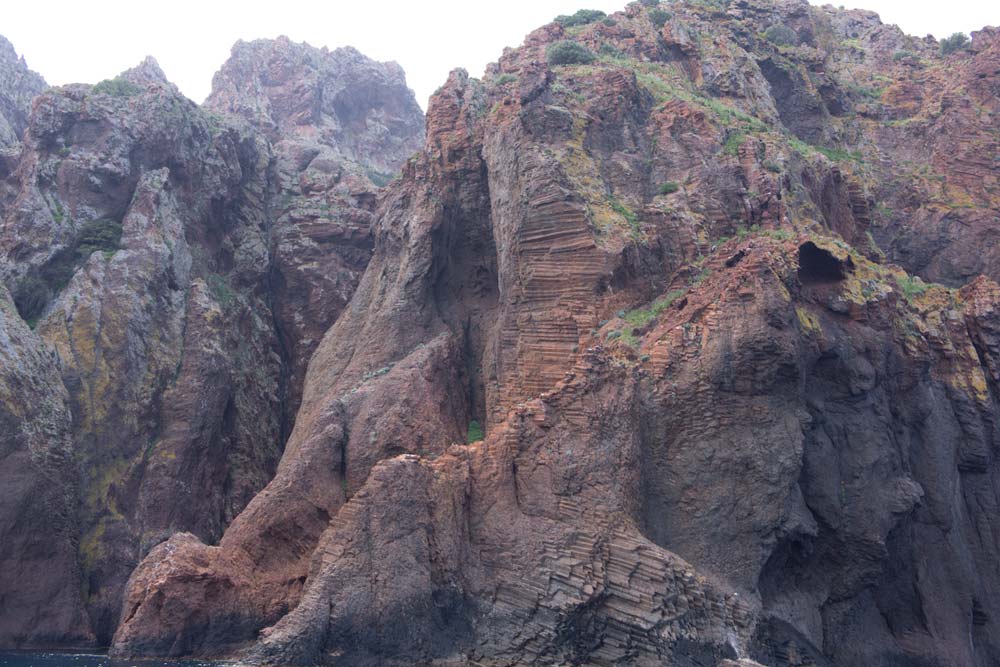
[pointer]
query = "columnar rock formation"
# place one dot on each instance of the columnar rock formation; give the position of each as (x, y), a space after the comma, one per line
(715, 278)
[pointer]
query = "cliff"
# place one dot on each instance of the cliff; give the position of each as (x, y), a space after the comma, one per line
(676, 343)
(149, 243)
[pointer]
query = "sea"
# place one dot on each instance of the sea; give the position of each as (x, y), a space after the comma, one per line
(42, 659)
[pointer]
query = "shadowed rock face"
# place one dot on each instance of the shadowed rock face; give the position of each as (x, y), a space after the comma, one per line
(37, 476)
(151, 245)
(721, 428)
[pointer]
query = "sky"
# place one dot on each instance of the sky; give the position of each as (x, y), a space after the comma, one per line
(69, 41)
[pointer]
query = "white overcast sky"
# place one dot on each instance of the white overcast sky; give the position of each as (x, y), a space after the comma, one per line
(70, 41)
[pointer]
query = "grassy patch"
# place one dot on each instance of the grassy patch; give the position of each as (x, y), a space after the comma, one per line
(380, 179)
(911, 286)
(640, 317)
(624, 211)
(474, 432)
(835, 154)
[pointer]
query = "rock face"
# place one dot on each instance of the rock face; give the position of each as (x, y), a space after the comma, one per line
(676, 354)
(39, 493)
(139, 235)
(338, 122)
(18, 86)
(341, 99)
(721, 428)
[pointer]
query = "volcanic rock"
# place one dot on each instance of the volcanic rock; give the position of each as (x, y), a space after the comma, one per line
(139, 238)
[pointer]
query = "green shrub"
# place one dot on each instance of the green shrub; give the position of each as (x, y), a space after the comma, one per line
(475, 432)
(668, 188)
(116, 87)
(582, 17)
(34, 292)
(733, 142)
(610, 50)
(902, 55)
(951, 44)
(610, 22)
(781, 35)
(702, 276)
(103, 235)
(505, 79)
(60, 268)
(30, 299)
(649, 3)
(659, 16)
(568, 52)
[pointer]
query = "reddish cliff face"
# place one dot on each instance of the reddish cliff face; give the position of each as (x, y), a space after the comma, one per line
(338, 123)
(720, 426)
(706, 274)
(149, 244)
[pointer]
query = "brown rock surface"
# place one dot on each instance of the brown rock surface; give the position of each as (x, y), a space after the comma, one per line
(751, 466)
(720, 427)
(149, 243)
(338, 122)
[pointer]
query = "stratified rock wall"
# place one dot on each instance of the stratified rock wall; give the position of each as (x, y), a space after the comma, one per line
(699, 449)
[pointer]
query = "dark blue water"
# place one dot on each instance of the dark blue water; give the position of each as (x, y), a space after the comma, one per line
(42, 659)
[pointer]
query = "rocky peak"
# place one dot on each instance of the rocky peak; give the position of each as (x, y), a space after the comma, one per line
(18, 86)
(148, 72)
(340, 99)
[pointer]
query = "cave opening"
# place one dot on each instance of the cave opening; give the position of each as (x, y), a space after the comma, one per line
(817, 265)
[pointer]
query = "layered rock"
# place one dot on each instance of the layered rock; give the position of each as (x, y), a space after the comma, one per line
(142, 238)
(720, 427)
(699, 449)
